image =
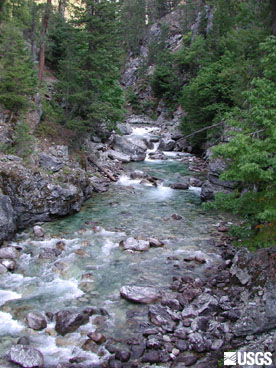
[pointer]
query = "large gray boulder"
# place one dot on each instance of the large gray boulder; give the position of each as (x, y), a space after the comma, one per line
(115, 155)
(134, 244)
(7, 218)
(26, 356)
(166, 144)
(122, 144)
(124, 128)
(140, 294)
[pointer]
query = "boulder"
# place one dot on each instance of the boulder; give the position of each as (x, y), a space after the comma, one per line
(155, 243)
(9, 264)
(68, 321)
(49, 253)
(115, 155)
(138, 174)
(207, 192)
(160, 317)
(3, 269)
(139, 294)
(50, 162)
(36, 321)
(38, 231)
(26, 356)
(122, 144)
(182, 145)
(166, 144)
(9, 253)
(180, 186)
(124, 128)
(134, 244)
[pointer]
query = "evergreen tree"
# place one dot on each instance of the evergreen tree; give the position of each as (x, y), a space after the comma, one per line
(17, 75)
(90, 68)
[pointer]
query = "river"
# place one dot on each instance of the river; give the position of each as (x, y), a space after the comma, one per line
(93, 267)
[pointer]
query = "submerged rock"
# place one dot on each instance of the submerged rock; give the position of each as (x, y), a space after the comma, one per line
(36, 321)
(139, 294)
(26, 356)
(134, 244)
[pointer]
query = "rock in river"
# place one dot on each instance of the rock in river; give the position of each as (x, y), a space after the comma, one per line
(140, 294)
(134, 244)
(9, 253)
(36, 321)
(68, 321)
(26, 356)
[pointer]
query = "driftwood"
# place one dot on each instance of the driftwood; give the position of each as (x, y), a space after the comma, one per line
(203, 129)
(102, 169)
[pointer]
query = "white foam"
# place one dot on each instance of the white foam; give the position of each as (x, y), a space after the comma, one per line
(58, 288)
(174, 154)
(6, 295)
(161, 193)
(196, 190)
(108, 246)
(126, 181)
(143, 131)
(9, 326)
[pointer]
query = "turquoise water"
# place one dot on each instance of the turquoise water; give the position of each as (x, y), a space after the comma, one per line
(92, 268)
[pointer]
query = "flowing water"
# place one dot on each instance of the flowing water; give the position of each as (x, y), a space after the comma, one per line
(92, 268)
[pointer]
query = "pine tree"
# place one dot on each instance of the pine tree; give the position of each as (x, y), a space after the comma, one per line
(17, 75)
(90, 68)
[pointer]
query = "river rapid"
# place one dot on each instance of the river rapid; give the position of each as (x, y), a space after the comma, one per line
(92, 268)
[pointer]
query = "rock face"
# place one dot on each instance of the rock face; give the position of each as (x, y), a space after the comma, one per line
(26, 356)
(31, 197)
(139, 294)
(68, 321)
(50, 162)
(130, 148)
(7, 218)
(214, 184)
(256, 272)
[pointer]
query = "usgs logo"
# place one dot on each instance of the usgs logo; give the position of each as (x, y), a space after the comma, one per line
(247, 358)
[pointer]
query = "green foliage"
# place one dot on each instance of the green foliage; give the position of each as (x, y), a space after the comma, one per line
(23, 140)
(89, 68)
(17, 76)
(251, 151)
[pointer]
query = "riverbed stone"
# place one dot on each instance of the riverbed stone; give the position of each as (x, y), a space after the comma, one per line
(166, 144)
(49, 253)
(134, 244)
(138, 174)
(140, 294)
(155, 243)
(26, 356)
(68, 321)
(38, 231)
(180, 186)
(9, 253)
(97, 337)
(160, 317)
(36, 321)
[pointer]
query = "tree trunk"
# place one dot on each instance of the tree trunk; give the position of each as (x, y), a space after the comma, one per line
(42, 41)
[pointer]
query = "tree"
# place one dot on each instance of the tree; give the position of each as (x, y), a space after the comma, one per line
(251, 151)
(17, 75)
(89, 71)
